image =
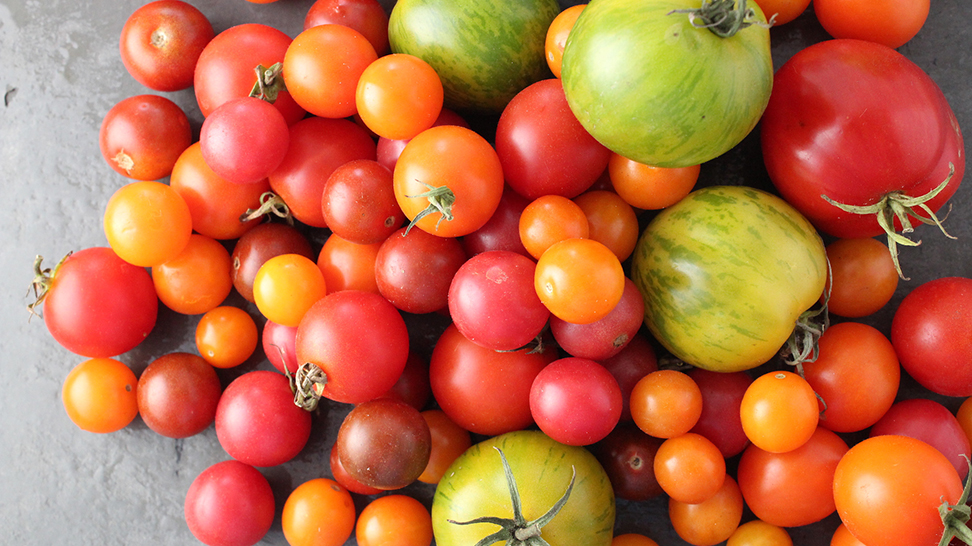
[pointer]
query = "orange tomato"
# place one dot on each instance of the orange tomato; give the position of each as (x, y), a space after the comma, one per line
(100, 395)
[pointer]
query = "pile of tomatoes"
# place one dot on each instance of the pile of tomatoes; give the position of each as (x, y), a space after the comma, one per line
(507, 311)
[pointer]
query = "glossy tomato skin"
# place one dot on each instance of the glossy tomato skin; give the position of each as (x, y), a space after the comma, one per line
(142, 136)
(414, 269)
(628, 457)
(932, 335)
(178, 394)
(930, 422)
(575, 401)
(366, 16)
(229, 504)
(606, 337)
(725, 273)
(722, 395)
(260, 244)
(244, 139)
(475, 486)
(161, 42)
(98, 305)
(358, 202)
(846, 98)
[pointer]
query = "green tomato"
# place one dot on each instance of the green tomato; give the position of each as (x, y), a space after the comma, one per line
(656, 89)
(476, 486)
(485, 51)
(726, 273)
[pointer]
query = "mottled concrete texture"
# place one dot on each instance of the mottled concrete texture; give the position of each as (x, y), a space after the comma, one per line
(60, 72)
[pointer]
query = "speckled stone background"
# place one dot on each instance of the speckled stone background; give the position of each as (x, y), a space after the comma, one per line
(59, 74)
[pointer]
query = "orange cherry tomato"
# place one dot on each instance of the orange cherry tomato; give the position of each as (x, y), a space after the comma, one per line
(632, 539)
(556, 37)
(579, 280)
(689, 468)
(779, 411)
(648, 187)
(226, 336)
(759, 533)
(319, 512)
(398, 96)
(611, 221)
(198, 279)
(286, 286)
(147, 223)
(100, 395)
(782, 11)
(449, 441)
(550, 219)
(394, 520)
(347, 265)
(862, 277)
(666, 403)
(711, 522)
(889, 22)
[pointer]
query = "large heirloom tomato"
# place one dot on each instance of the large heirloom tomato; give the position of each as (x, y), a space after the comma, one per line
(859, 124)
(477, 485)
(650, 83)
(725, 274)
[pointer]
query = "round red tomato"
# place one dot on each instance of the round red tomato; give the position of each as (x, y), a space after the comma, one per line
(161, 42)
(414, 270)
(229, 504)
(243, 140)
(932, 423)
(142, 136)
(177, 395)
(575, 401)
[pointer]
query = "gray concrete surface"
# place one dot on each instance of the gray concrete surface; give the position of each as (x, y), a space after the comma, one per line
(59, 73)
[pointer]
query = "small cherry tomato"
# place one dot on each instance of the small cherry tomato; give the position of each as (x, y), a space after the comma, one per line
(198, 279)
(394, 520)
(313, 502)
(579, 280)
(666, 403)
(177, 395)
(100, 395)
(286, 286)
(226, 336)
(779, 411)
(229, 504)
(147, 223)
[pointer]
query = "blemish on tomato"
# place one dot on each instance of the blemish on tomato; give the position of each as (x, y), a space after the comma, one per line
(497, 275)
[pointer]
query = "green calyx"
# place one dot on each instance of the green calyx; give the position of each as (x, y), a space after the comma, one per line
(441, 199)
(43, 279)
(517, 531)
(269, 82)
(956, 516)
(897, 205)
(724, 18)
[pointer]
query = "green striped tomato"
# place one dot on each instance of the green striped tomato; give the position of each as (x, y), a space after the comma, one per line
(475, 486)
(725, 273)
(652, 87)
(485, 51)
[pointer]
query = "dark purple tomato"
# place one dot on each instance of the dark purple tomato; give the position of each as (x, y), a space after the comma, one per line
(229, 504)
(414, 270)
(575, 401)
(721, 397)
(342, 477)
(244, 140)
(502, 230)
(260, 244)
(628, 456)
(257, 421)
(384, 443)
(636, 360)
(605, 337)
(359, 202)
(178, 394)
(493, 302)
(930, 422)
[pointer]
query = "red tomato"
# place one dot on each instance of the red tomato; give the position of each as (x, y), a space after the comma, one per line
(932, 423)
(95, 303)
(260, 244)
(722, 394)
(849, 98)
(390, 149)
(605, 337)
(543, 148)
(862, 277)
(932, 335)
(279, 346)
(502, 230)
(414, 270)
(177, 395)
(229, 504)
(358, 202)
(366, 16)
(628, 457)
(161, 42)
(575, 401)
(142, 136)
(636, 360)
(243, 140)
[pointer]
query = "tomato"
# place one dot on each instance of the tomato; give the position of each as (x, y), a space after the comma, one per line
(794, 488)
(575, 401)
(215, 204)
(492, 301)
(147, 223)
(502, 230)
(318, 146)
(345, 480)
(722, 395)
(611, 221)
(258, 245)
(543, 148)
(482, 390)
(244, 139)
(579, 280)
(198, 279)
(95, 303)
(712, 521)
(843, 537)
(414, 270)
(632, 539)
(476, 485)
(779, 411)
(257, 421)
(448, 181)
(100, 395)
(286, 286)
(930, 422)
(850, 98)
(649, 187)
(725, 273)
(485, 52)
(325, 85)
(862, 277)
(636, 360)
(556, 37)
(315, 501)
(889, 22)
(412, 386)
(226, 336)
(161, 42)
(856, 374)
(177, 395)
(279, 346)
(628, 457)
(759, 533)
(606, 337)
(366, 16)
(394, 520)
(689, 468)
(549, 219)
(229, 504)
(384, 443)
(358, 202)
(398, 96)
(781, 12)
(347, 265)
(449, 441)
(340, 335)
(389, 149)
(142, 136)
(894, 475)
(666, 403)
(226, 68)
(616, 52)
(932, 334)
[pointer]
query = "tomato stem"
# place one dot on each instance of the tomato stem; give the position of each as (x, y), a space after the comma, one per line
(270, 203)
(724, 18)
(956, 516)
(307, 384)
(41, 285)
(897, 205)
(517, 531)
(441, 199)
(269, 82)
